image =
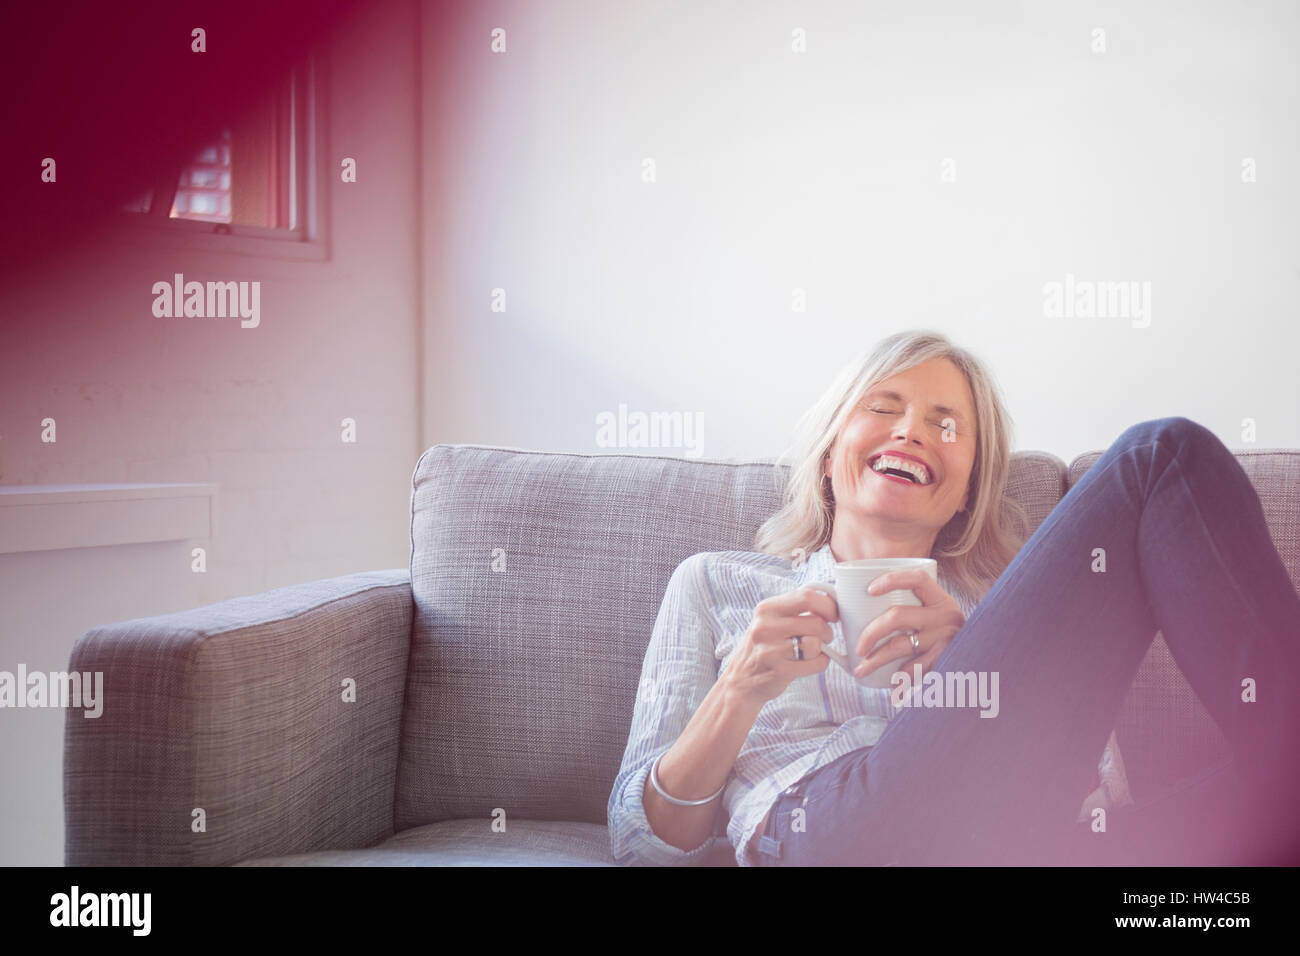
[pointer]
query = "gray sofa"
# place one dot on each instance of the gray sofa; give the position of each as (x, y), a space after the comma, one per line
(493, 681)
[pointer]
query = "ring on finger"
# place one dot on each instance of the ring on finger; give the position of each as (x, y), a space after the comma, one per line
(798, 651)
(916, 644)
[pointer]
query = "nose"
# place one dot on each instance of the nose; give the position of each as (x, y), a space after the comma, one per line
(908, 427)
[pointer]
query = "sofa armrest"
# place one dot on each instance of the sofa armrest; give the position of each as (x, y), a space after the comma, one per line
(238, 709)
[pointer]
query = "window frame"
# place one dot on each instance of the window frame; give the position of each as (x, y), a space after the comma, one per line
(308, 241)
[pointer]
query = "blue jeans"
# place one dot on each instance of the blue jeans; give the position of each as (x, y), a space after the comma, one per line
(1187, 552)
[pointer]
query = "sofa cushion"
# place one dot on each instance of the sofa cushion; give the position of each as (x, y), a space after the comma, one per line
(471, 843)
(537, 578)
(1163, 729)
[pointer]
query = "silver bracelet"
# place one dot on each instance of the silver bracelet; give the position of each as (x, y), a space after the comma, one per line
(654, 779)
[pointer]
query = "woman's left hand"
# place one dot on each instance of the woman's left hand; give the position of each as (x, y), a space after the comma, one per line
(936, 622)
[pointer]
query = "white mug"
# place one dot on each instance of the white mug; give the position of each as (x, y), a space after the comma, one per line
(858, 608)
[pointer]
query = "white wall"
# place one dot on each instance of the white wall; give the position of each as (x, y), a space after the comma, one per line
(824, 171)
(257, 411)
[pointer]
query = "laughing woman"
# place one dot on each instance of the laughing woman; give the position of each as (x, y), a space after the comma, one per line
(739, 710)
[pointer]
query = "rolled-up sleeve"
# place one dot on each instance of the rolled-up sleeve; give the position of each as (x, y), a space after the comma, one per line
(679, 669)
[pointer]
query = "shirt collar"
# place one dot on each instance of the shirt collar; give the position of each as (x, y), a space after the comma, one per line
(820, 565)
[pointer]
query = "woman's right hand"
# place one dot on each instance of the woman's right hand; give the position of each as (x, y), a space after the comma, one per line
(763, 663)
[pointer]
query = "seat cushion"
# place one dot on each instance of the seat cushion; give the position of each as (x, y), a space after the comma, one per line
(472, 843)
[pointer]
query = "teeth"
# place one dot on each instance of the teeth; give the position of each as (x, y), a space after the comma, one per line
(904, 464)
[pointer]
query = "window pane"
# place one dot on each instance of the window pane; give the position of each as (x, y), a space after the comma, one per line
(204, 189)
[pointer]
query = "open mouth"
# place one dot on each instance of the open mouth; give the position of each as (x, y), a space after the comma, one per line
(900, 469)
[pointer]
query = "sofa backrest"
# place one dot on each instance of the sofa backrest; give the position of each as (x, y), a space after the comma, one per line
(537, 578)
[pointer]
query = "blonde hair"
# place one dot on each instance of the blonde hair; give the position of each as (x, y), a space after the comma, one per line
(977, 544)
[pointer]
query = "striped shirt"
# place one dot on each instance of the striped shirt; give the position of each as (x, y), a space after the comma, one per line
(707, 608)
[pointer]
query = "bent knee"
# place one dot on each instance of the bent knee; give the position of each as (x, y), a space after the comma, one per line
(1177, 429)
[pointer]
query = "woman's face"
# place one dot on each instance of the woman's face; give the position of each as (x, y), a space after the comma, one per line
(926, 413)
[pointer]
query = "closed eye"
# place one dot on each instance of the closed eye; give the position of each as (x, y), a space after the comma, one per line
(886, 411)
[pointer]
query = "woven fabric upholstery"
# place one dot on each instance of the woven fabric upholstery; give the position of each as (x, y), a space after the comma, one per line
(473, 843)
(1036, 482)
(237, 708)
(522, 680)
(1164, 731)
